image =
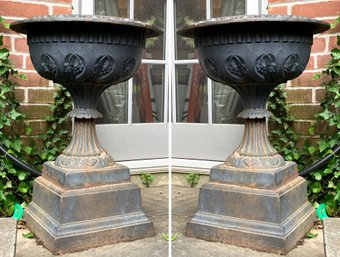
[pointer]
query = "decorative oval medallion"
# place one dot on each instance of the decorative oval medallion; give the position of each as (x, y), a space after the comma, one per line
(236, 68)
(48, 66)
(210, 65)
(128, 67)
(103, 68)
(74, 66)
(291, 66)
(265, 66)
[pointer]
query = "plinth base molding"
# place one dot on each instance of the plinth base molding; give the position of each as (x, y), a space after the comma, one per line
(69, 220)
(269, 220)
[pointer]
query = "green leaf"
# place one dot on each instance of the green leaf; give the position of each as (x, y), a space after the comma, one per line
(23, 187)
(28, 235)
(8, 184)
(311, 149)
(316, 76)
(317, 175)
(13, 114)
(335, 53)
(4, 53)
(17, 145)
(28, 149)
(316, 187)
(311, 235)
(28, 131)
(326, 114)
(331, 184)
(22, 175)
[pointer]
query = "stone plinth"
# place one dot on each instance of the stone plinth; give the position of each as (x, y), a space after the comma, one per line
(266, 210)
(8, 237)
(331, 237)
(73, 210)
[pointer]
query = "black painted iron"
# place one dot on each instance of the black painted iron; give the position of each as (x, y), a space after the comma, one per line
(84, 199)
(256, 198)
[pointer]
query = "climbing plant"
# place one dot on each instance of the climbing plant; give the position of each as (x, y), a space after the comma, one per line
(15, 184)
(323, 183)
(57, 136)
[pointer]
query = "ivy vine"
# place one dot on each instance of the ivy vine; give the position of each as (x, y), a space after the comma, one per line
(15, 183)
(323, 183)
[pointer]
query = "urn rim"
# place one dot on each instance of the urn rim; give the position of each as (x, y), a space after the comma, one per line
(317, 26)
(22, 25)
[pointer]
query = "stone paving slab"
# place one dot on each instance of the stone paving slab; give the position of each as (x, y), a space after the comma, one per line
(8, 235)
(155, 205)
(331, 236)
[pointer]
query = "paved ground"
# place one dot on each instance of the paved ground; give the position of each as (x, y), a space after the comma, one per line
(155, 204)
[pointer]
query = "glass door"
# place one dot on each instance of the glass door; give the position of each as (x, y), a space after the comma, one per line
(169, 85)
(205, 128)
(134, 128)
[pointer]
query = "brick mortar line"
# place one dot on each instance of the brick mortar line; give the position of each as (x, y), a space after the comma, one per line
(18, 53)
(25, 96)
(34, 104)
(305, 104)
(325, 36)
(306, 120)
(297, 88)
(298, 2)
(313, 71)
(42, 3)
(29, 87)
(314, 96)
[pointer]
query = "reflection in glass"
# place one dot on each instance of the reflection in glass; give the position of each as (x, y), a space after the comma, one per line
(148, 94)
(118, 8)
(191, 93)
(152, 12)
(227, 104)
(187, 12)
(113, 104)
(228, 7)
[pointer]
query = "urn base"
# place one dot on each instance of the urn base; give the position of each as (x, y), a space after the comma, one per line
(75, 219)
(270, 219)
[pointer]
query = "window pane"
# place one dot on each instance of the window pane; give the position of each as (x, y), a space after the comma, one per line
(228, 7)
(117, 8)
(152, 12)
(192, 95)
(227, 104)
(148, 94)
(187, 12)
(113, 104)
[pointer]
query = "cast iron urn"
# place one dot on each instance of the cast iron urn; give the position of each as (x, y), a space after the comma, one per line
(255, 199)
(84, 199)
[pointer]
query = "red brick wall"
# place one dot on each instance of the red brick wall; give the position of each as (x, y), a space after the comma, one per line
(305, 94)
(35, 93)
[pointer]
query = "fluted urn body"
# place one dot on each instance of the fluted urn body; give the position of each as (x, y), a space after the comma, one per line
(86, 54)
(84, 199)
(255, 199)
(254, 54)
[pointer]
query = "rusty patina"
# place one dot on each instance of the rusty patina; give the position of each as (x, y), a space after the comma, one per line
(84, 199)
(255, 199)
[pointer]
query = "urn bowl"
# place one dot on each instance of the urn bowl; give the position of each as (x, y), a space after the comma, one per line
(264, 49)
(80, 49)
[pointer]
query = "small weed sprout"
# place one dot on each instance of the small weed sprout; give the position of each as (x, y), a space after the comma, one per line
(192, 178)
(147, 178)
